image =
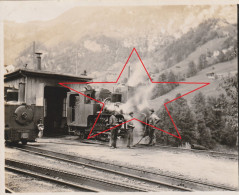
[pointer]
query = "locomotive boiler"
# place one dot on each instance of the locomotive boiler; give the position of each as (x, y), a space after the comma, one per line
(20, 119)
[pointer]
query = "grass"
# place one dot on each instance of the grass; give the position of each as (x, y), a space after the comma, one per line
(211, 45)
(211, 90)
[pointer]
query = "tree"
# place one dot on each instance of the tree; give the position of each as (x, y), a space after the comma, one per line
(199, 103)
(184, 120)
(199, 107)
(192, 70)
(209, 53)
(202, 62)
(214, 119)
(163, 77)
(221, 57)
(172, 78)
(229, 136)
(165, 124)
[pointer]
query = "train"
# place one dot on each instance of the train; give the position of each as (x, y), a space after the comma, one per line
(20, 119)
(83, 111)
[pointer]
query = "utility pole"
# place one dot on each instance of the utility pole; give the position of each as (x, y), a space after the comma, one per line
(76, 61)
(128, 83)
(33, 54)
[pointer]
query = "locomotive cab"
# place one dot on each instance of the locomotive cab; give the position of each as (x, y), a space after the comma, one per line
(83, 110)
(79, 108)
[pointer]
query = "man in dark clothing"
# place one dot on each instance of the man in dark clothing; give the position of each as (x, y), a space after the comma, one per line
(152, 120)
(114, 132)
(130, 130)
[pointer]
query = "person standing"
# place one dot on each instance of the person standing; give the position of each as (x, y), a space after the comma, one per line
(130, 130)
(40, 127)
(114, 132)
(152, 120)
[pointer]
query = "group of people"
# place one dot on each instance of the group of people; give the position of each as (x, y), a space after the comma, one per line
(113, 122)
(152, 120)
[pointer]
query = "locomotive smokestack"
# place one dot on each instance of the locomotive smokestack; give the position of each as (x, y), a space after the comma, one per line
(38, 61)
(21, 92)
(129, 73)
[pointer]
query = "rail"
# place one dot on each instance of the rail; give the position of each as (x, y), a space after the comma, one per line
(73, 180)
(168, 181)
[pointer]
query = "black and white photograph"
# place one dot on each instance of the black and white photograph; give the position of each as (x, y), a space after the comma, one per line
(119, 96)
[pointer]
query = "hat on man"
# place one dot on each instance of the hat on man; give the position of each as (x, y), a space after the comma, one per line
(151, 110)
(131, 113)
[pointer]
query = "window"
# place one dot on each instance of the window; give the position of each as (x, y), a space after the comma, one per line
(12, 95)
(72, 102)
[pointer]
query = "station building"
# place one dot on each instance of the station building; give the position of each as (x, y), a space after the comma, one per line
(42, 88)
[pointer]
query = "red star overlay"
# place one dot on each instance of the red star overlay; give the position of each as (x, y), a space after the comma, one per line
(202, 84)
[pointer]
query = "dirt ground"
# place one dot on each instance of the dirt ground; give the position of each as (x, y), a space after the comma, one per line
(187, 165)
(15, 183)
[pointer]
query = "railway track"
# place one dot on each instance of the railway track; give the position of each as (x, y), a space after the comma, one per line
(210, 153)
(69, 179)
(8, 190)
(166, 181)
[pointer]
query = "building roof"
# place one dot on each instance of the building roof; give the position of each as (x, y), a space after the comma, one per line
(39, 73)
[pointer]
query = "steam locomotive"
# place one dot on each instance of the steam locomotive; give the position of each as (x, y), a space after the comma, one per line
(20, 119)
(82, 113)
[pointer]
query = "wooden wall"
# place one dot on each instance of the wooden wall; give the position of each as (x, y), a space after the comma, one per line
(14, 83)
(34, 92)
(35, 88)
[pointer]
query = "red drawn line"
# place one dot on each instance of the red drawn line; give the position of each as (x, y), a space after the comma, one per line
(95, 122)
(143, 65)
(205, 84)
(82, 94)
(125, 64)
(158, 128)
(179, 136)
(106, 129)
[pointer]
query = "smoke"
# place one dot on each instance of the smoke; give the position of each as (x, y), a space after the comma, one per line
(139, 90)
(137, 75)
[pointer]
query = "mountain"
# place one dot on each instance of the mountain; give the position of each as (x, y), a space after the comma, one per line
(82, 28)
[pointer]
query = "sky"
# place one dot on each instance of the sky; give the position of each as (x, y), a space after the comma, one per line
(25, 11)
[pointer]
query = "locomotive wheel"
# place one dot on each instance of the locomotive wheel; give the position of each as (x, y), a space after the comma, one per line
(82, 136)
(11, 143)
(71, 131)
(97, 137)
(7, 143)
(24, 142)
(78, 133)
